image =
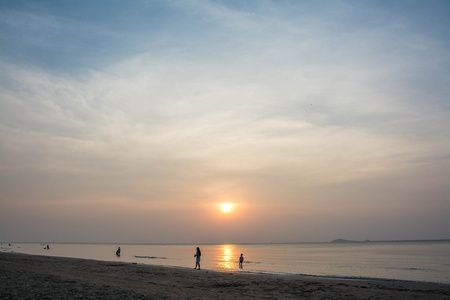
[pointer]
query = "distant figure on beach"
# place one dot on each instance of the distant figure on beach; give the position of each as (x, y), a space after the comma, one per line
(118, 252)
(197, 256)
(241, 260)
(48, 247)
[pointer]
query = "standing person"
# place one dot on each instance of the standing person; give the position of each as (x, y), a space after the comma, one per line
(241, 260)
(197, 256)
(118, 252)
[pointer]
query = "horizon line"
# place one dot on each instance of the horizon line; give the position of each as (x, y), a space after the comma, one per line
(336, 241)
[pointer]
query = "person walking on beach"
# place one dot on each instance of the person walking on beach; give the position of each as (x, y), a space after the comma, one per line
(241, 260)
(197, 256)
(118, 252)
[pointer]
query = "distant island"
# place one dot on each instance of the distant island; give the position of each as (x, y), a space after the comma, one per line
(347, 241)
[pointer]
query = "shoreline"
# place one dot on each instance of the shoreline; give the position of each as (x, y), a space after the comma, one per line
(258, 272)
(30, 276)
(369, 262)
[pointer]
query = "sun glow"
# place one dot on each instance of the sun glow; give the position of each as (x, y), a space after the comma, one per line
(226, 207)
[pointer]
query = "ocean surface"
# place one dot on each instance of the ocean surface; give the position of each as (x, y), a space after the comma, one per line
(422, 261)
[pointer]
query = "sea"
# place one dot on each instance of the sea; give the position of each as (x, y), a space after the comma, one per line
(417, 261)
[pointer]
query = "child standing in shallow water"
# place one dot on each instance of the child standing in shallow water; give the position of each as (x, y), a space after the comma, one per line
(197, 256)
(241, 260)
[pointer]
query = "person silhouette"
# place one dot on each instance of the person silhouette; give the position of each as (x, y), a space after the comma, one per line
(118, 252)
(241, 260)
(197, 256)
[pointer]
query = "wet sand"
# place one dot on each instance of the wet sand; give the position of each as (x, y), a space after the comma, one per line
(41, 277)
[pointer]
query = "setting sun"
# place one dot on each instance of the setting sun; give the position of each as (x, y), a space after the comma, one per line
(226, 207)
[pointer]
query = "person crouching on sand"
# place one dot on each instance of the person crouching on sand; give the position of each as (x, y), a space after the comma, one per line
(197, 256)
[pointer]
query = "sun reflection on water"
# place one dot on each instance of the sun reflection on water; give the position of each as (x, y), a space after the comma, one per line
(227, 258)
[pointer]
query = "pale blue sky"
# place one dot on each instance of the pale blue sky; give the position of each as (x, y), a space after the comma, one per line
(130, 121)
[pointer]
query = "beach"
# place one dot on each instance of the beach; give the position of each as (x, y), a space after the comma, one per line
(25, 276)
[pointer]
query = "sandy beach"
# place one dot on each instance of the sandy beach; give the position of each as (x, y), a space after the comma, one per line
(41, 277)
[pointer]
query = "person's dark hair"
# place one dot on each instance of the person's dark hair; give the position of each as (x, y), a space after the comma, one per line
(199, 252)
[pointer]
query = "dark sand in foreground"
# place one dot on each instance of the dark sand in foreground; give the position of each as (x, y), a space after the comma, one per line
(41, 277)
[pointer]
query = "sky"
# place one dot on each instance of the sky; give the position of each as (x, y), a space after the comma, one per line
(132, 121)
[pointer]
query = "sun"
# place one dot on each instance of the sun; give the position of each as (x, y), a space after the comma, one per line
(226, 207)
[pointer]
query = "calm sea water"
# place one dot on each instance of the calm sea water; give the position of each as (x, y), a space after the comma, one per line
(426, 261)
